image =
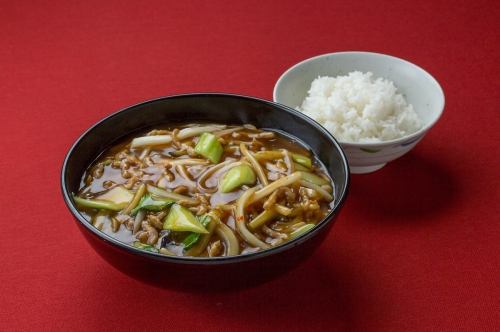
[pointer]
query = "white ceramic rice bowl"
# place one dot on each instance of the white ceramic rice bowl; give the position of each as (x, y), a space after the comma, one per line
(418, 87)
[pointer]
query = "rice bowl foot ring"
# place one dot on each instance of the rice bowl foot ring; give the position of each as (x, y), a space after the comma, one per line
(365, 169)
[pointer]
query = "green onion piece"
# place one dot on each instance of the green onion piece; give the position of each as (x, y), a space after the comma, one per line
(150, 141)
(302, 160)
(299, 167)
(180, 219)
(236, 177)
(262, 218)
(268, 155)
(313, 178)
(148, 203)
(117, 195)
(143, 246)
(209, 147)
(139, 194)
(99, 204)
(166, 194)
(301, 230)
(193, 238)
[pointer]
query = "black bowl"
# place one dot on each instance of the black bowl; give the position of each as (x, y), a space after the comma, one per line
(219, 272)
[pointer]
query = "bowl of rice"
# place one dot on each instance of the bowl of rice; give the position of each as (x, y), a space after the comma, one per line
(377, 106)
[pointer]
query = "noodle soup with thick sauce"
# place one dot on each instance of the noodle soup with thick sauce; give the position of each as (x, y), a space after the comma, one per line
(206, 190)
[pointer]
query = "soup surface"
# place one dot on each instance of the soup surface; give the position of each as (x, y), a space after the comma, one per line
(206, 190)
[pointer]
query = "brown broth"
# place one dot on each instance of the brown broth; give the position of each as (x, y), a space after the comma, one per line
(111, 168)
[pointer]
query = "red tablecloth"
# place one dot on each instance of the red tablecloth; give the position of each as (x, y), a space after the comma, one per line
(416, 247)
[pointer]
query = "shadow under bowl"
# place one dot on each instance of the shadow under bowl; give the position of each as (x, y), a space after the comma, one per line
(218, 272)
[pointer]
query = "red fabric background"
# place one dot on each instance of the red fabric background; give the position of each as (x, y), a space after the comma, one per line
(417, 245)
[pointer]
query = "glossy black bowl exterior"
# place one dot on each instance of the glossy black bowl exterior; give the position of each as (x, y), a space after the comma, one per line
(195, 108)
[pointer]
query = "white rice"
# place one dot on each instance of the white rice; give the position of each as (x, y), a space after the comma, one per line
(359, 108)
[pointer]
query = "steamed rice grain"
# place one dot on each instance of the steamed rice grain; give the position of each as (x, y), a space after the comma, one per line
(359, 108)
